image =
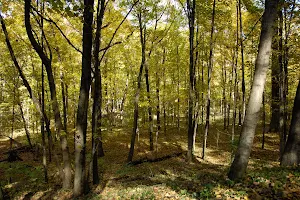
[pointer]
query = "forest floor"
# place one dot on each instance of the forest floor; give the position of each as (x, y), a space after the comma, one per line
(169, 178)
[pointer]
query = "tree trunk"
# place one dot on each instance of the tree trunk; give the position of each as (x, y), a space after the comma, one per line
(82, 111)
(239, 165)
(25, 82)
(275, 67)
(97, 105)
(191, 6)
(264, 123)
(58, 121)
(137, 94)
(149, 107)
(243, 66)
(291, 154)
(209, 72)
(283, 88)
(25, 125)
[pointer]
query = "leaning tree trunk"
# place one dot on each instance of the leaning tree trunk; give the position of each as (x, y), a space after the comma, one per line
(239, 165)
(291, 154)
(24, 80)
(67, 176)
(81, 126)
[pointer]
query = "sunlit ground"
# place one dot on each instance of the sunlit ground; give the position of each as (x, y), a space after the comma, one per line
(172, 178)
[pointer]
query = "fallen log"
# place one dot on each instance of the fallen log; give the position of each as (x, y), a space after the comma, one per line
(151, 160)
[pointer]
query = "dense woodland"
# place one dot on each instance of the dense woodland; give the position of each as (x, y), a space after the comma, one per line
(149, 99)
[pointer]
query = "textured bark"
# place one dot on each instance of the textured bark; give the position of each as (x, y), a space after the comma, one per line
(291, 154)
(239, 165)
(58, 121)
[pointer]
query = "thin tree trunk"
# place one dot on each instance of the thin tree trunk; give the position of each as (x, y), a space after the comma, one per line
(243, 66)
(283, 88)
(239, 165)
(178, 91)
(235, 87)
(25, 125)
(24, 80)
(149, 107)
(97, 105)
(264, 123)
(157, 109)
(209, 72)
(137, 94)
(191, 6)
(275, 67)
(45, 167)
(58, 122)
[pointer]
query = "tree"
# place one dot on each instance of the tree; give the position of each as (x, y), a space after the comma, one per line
(191, 9)
(97, 105)
(82, 110)
(142, 29)
(209, 73)
(239, 165)
(55, 106)
(291, 154)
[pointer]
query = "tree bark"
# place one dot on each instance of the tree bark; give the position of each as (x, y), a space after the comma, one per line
(97, 105)
(209, 72)
(291, 154)
(243, 66)
(58, 121)
(137, 94)
(239, 165)
(191, 6)
(149, 107)
(80, 139)
(275, 67)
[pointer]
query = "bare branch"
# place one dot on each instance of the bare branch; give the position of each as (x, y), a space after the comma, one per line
(58, 28)
(114, 34)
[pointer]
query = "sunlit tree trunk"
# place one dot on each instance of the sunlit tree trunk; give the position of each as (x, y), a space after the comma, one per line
(239, 165)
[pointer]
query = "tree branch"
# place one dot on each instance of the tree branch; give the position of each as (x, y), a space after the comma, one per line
(58, 28)
(114, 34)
